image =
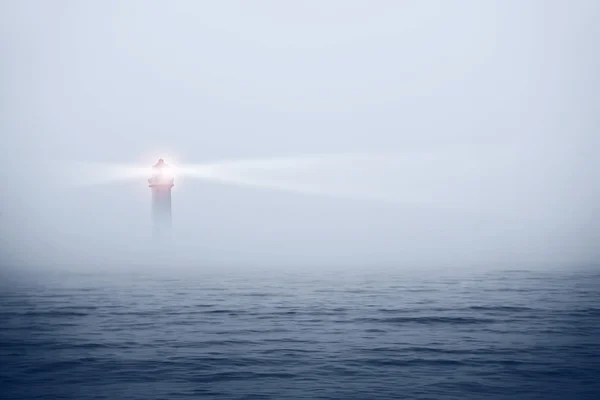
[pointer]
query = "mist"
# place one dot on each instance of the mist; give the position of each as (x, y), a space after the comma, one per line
(413, 134)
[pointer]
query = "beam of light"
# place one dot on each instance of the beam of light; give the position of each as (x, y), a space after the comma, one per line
(91, 174)
(444, 179)
(328, 174)
(96, 173)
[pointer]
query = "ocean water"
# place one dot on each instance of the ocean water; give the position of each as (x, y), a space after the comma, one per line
(300, 335)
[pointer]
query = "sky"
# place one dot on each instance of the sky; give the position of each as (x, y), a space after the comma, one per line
(506, 93)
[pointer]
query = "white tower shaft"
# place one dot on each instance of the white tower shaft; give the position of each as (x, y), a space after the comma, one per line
(161, 210)
(161, 183)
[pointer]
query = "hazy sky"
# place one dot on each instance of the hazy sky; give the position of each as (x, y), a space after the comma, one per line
(204, 81)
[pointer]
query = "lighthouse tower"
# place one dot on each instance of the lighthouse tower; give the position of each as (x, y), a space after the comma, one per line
(161, 183)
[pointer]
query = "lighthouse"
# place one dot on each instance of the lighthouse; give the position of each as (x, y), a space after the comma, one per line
(160, 184)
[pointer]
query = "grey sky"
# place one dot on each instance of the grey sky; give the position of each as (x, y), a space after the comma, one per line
(204, 81)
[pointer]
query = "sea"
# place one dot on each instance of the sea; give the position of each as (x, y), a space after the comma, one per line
(281, 334)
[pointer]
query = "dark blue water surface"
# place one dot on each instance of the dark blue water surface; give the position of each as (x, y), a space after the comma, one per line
(327, 335)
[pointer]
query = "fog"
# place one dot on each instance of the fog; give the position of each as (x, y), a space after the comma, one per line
(395, 134)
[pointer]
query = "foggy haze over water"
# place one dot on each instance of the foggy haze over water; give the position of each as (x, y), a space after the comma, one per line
(504, 91)
(329, 156)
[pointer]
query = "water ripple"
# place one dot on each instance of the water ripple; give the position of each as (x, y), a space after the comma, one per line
(518, 335)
